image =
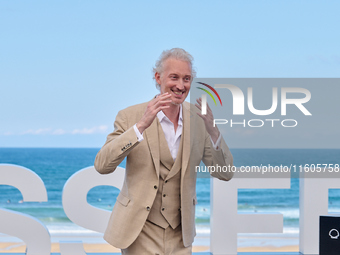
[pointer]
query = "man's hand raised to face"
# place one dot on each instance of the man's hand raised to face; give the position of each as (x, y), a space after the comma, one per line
(208, 121)
(154, 106)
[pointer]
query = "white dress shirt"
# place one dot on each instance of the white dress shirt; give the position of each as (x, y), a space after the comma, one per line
(173, 137)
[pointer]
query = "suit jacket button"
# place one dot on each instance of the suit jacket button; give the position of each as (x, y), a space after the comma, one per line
(148, 208)
(164, 195)
(155, 187)
(163, 209)
(166, 181)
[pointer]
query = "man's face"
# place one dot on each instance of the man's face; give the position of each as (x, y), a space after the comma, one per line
(175, 79)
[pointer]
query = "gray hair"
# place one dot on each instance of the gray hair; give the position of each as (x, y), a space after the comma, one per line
(176, 53)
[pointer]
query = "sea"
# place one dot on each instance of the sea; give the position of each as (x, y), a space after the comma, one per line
(56, 165)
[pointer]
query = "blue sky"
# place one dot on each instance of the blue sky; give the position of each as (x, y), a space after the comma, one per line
(68, 67)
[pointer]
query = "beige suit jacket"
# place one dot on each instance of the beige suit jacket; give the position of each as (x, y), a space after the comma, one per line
(142, 171)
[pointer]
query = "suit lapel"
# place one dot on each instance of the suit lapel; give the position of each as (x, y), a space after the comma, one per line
(164, 152)
(153, 142)
(187, 142)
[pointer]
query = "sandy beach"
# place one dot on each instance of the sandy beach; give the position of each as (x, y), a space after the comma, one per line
(93, 242)
(92, 248)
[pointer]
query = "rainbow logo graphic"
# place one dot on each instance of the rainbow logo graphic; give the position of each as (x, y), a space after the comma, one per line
(209, 93)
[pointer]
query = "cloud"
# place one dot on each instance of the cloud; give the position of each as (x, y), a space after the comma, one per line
(59, 132)
(40, 131)
(93, 130)
(49, 131)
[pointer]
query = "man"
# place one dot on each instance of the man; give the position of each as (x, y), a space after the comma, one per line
(163, 140)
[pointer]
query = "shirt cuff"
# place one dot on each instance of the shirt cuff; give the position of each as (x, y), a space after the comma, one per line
(217, 145)
(139, 135)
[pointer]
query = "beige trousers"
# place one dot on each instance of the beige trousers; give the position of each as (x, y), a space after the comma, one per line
(155, 240)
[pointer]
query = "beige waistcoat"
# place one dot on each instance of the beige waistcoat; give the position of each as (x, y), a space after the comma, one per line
(166, 209)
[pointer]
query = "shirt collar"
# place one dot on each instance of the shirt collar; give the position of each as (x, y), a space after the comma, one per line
(161, 116)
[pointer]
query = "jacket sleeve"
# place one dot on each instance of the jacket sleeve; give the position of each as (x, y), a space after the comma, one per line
(117, 146)
(221, 160)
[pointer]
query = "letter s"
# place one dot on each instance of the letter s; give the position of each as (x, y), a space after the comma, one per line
(75, 199)
(30, 230)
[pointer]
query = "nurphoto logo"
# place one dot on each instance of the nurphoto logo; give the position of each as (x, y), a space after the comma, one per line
(295, 96)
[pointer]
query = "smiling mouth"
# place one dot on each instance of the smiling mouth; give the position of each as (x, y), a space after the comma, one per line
(179, 93)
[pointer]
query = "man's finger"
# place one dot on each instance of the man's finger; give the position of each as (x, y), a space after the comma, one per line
(199, 101)
(164, 95)
(208, 107)
(162, 107)
(161, 97)
(163, 102)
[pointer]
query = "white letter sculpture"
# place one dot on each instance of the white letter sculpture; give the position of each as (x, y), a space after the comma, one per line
(75, 202)
(23, 226)
(226, 222)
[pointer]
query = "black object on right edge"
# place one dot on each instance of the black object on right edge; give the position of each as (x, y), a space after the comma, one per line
(329, 235)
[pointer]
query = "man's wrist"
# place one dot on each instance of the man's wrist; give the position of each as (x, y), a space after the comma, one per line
(140, 128)
(216, 144)
(215, 135)
(138, 134)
